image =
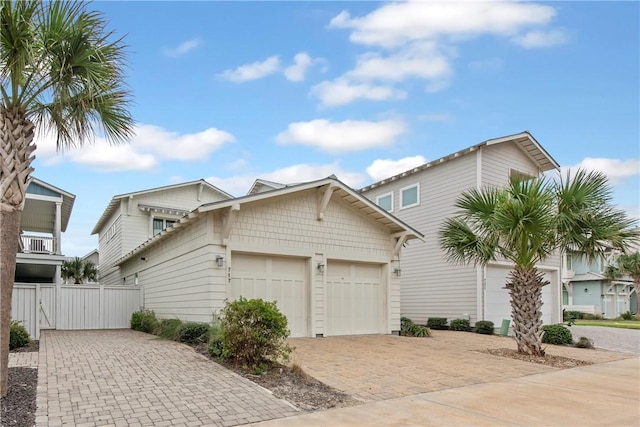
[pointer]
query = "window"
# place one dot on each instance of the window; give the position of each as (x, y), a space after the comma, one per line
(160, 224)
(522, 176)
(410, 196)
(569, 262)
(385, 202)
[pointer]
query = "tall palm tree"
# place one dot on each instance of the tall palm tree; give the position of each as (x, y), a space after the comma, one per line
(630, 264)
(527, 222)
(61, 71)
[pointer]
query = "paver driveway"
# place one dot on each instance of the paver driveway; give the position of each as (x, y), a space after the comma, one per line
(127, 378)
(380, 367)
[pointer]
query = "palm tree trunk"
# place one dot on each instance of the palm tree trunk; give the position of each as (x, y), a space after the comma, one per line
(16, 149)
(525, 290)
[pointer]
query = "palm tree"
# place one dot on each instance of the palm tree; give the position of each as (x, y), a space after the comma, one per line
(526, 223)
(61, 72)
(79, 270)
(630, 264)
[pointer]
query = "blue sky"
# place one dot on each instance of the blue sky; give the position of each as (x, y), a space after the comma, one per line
(294, 91)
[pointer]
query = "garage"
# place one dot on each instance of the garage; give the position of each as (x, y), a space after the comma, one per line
(497, 304)
(273, 278)
(355, 298)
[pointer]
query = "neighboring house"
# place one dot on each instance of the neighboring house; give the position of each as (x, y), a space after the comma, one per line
(132, 218)
(425, 196)
(93, 257)
(326, 254)
(586, 287)
(262, 185)
(45, 217)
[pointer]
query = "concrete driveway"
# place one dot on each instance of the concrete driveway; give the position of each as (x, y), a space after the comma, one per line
(127, 378)
(380, 367)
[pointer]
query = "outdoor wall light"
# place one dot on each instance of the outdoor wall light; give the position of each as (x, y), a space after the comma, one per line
(320, 268)
(397, 271)
(220, 260)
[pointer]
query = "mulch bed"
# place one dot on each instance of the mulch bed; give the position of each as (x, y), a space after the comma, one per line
(293, 385)
(548, 359)
(19, 407)
(34, 346)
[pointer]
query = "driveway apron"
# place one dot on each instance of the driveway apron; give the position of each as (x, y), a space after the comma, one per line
(128, 378)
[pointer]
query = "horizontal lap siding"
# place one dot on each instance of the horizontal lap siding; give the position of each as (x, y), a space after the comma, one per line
(110, 250)
(180, 276)
(430, 285)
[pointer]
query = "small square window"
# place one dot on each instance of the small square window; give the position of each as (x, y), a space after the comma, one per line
(385, 202)
(410, 196)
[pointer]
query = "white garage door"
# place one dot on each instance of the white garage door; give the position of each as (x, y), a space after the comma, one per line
(280, 279)
(497, 304)
(355, 303)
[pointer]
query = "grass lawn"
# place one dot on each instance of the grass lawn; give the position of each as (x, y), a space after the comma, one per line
(625, 324)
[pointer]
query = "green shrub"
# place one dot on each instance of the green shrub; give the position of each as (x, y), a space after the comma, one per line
(254, 332)
(169, 329)
(460, 325)
(570, 315)
(410, 329)
(589, 316)
(144, 321)
(627, 315)
(556, 334)
(18, 335)
(193, 333)
(215, 348)
(484, 327)
(437, 323)
(584, 342)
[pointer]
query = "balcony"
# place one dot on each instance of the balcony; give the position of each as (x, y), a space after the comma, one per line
(38, 244)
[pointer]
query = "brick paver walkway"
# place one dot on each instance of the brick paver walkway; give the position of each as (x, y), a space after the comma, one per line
(23, 360)
(380, 367)
(127, 378)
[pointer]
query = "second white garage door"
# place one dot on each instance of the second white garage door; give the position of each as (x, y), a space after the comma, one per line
(280, 279)
(497, 304)
(355, 299)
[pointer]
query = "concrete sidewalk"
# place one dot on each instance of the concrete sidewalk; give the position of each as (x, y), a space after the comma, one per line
(605, 394)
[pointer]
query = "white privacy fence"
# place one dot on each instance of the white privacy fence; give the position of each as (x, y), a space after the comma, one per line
(51, 306)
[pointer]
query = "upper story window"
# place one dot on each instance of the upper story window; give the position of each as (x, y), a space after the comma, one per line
(385, 201)
(522, 176)
(569, 262)
(160, 224)
(410, 196)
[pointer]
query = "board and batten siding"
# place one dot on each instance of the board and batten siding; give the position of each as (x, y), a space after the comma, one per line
(430, 285)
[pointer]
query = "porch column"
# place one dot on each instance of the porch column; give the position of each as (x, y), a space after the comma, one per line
(58, 228)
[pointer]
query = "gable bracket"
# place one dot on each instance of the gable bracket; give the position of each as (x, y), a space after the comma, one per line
(325, 200)
(227, 222)
(402, 238)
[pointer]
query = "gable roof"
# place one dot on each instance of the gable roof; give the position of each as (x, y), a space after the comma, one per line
(258, 183)
(115, 201)
(523, 140)
(346, 193)
(39, 187)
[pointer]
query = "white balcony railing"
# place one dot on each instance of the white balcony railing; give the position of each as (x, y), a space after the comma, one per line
(37, 244)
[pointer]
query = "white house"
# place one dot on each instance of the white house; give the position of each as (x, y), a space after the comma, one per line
(326, 254)
(132, 218)
(424, 196)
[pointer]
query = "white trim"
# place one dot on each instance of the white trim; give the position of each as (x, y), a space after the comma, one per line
(385, 195)
(402, 190)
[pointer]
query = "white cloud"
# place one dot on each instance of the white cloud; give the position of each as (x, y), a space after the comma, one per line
(240, 184)
(336, 137)
(253, 71)
(616, 170)
(182, 48)
(175, 146)
(398, 23)
(301, 63)
(343, 91)
(147, 148)
(385, 168)
(536, 39)
(422, 60)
